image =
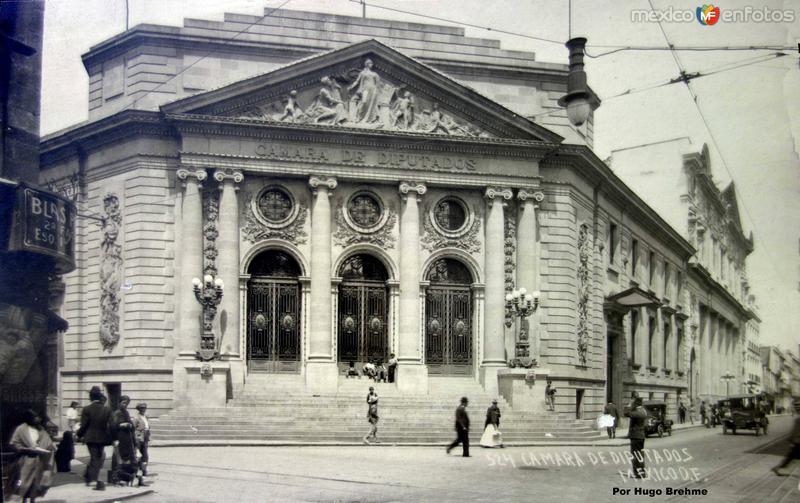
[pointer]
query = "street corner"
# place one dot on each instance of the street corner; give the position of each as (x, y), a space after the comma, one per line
(70, 487)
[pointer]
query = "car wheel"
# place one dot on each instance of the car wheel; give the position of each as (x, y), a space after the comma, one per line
(758, 432)
(660, 431)
(733, 431)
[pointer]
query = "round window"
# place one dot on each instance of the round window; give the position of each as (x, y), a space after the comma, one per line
(364, 210)
(450, 214)
(275, 205)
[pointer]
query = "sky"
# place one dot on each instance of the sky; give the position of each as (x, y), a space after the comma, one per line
(750, 115)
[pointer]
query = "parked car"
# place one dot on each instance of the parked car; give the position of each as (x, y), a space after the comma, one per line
(657, 421)
(743, 412)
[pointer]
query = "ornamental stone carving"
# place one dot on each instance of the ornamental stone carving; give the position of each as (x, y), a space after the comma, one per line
(363, 98)
(347, 234)
(505, 193)
(322, 181)
(434, 238)
(525, 194)
(254, 230)
(584, 288)
(210, 232)
(184, 174)
(510, 250)
(110, 272)
(235, 176)
(406, 187)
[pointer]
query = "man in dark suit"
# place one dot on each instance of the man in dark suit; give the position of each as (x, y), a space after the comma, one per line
(636, 432)
(462, 428)
(94, 432)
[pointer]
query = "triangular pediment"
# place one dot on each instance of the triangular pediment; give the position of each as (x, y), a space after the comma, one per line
(365, 86)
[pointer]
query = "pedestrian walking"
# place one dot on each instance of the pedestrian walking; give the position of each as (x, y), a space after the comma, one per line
(372, 416)
(141, 427)
(794, 452)
(550, 395)
(681, 413)
(32, 473)
(703, 418)
(691, 412)
(611, 410)
(636, 433)
(491, 429)
(462, 429)
(94, 432)
(124, 466)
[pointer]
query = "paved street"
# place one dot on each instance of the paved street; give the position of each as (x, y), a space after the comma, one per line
(730, 468)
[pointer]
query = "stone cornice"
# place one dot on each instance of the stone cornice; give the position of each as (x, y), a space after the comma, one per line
(599, 175)
(701, 273)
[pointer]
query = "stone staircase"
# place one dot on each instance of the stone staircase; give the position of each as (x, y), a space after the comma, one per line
(275, 409)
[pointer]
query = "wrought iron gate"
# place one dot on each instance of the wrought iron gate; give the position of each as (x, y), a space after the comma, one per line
(273, 325)
(448, 330)
(362, 322)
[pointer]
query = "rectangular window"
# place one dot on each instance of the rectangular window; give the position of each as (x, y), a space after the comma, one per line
(666, 280)
(678, 286)
(612, 243)
(651, 328)
(634, 328)
(652, 263)
(680, 348)
(667, 333)
(634, 256)
(722, 264)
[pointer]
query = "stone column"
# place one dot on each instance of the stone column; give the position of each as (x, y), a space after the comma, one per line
(494, 356)
(412, 376)
(321, 374)
(528, 260)
(191, 257)
(228, 268)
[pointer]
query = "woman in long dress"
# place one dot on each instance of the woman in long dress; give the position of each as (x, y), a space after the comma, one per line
(491, 433)
(33, 471)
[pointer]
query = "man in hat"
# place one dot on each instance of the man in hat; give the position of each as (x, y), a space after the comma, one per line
(636, 433)
(372, 416)
(794, 452)
(142, 434)
(94, 432)
(462, 428)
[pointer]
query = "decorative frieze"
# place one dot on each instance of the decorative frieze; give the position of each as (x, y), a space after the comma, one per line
(110, 272)
(434, 238)
(254, 230)
(584, 289)
(210, 232)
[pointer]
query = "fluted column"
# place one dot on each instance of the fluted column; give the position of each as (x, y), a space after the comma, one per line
(411, 375)
(191, 226)
(528, 258)
(228, 261)
(494, 317)
(321, 367)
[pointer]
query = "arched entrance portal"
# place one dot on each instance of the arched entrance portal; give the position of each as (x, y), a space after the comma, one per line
(448, 319)
(273, 313)
(363, 311)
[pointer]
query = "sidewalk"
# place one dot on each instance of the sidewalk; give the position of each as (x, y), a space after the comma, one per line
(69, 487)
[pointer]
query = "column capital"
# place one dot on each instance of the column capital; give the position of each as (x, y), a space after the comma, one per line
(502, 192)
(525, 194)
(223, 176)
(322, 181)
(418, 188)
(184, 174)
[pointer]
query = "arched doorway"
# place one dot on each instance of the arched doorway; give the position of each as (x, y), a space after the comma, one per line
(448, 319)
(273, 313)
(363, 311)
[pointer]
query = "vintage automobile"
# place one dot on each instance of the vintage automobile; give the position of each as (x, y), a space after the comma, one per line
(743, 412)
(657, 421)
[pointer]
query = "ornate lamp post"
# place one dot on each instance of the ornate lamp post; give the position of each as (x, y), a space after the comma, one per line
(727, 377)
(521, 304)
(208, 293)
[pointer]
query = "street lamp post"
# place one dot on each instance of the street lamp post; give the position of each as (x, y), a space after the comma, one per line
(208, 293)
(521, 304)
(727, 377)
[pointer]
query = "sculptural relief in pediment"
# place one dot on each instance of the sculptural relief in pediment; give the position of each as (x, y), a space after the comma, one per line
(362, 98)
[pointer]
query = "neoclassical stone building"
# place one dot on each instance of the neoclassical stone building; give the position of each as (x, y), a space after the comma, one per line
(357, 199)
